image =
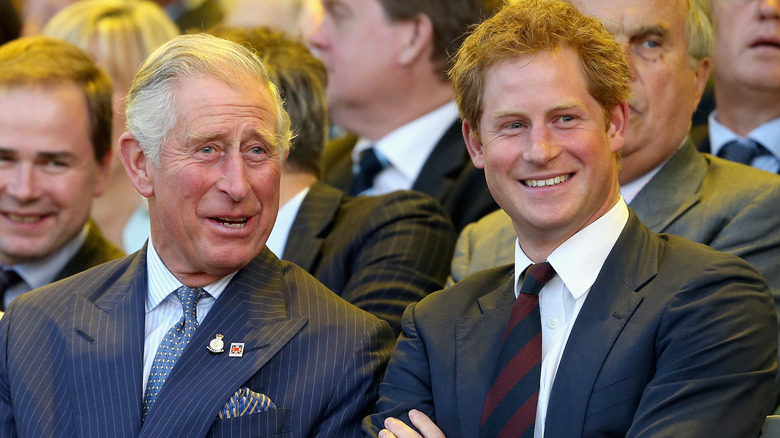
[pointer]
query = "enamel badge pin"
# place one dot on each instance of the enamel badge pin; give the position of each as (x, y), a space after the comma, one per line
(216, 345)
(236, 349)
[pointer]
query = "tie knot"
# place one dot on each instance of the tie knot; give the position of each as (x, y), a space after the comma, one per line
(742, 151)
(536, 276)
(8, 278)
(189, 296)
(367, 169)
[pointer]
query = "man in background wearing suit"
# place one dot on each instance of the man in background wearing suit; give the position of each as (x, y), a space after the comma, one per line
(745, 125)
(204, 331)
(672, 188)
(387, 85)
(55, 146)
(380, 253)
(615, 331)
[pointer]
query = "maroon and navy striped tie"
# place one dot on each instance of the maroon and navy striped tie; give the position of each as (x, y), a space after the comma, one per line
(510, 405)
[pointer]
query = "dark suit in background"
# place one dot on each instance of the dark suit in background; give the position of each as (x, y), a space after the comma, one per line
(95, 250)
(447, 175)
(380, 253)
(642, 359)
(92, 326)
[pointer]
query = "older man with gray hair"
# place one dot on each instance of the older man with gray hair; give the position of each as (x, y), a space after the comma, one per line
(204, 331)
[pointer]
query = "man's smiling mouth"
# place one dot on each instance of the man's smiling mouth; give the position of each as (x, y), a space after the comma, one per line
(546, 182)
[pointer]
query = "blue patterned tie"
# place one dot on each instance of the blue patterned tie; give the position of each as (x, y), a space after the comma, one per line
(742, 151)
(172, 345)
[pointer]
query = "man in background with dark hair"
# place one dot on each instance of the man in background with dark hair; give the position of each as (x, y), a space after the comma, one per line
(378, 252)
(387, 86)
(55, 135)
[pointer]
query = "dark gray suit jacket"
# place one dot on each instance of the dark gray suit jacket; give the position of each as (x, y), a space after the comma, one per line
(448, 175)
(674, 340)
(71, 358)
(95, 250)
(380, 253)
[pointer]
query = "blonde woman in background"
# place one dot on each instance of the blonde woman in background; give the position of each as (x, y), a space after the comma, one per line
(119, 34)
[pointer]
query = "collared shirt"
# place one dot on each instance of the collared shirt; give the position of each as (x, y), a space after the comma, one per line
(277, 241)
(767, 135)
(42, 272)
(577, 263)
(405, 150)
(163, 308)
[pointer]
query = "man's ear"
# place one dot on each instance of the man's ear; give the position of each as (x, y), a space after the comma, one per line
(474, 145)
(137, 165)
(104, 165)
(618, 124)
(417, 40)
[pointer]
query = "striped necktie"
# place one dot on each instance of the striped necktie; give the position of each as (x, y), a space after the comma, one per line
(510, 405)
(172, 345)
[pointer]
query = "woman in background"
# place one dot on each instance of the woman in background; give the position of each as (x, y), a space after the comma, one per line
(120, 35)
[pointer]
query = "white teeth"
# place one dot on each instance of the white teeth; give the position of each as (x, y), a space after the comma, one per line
(232, 223)
(546, 182)
(24, 219)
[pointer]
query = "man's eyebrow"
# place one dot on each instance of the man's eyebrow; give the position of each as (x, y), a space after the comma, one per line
(650, 30)
(56, 156)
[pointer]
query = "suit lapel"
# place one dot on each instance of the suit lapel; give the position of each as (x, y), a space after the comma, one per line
(444, 164)
(316, 215)
(107, 351)
(611, 302)
(477, 343)
(252, 311)
(673, 190)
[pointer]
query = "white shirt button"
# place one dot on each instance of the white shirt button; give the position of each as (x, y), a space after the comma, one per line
(553, 323)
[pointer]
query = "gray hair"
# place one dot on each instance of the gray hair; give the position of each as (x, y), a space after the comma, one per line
(150, 105)
(699, 29)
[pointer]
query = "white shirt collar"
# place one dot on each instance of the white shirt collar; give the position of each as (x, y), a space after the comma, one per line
(161, 282)
(42, 272)
(579, 259)
(408, 147)
(277, 241)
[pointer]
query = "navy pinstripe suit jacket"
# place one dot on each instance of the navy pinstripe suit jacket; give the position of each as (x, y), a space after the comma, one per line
(71, 357)
(380, 253)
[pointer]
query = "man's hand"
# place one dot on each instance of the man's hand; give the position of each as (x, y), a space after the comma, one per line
(395, 428)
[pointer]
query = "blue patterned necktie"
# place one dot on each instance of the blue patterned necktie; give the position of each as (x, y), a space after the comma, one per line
(742, 151)
(172, 345)
(510, 405)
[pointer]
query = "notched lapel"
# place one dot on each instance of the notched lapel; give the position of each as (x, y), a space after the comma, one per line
(611, 302)
(477, 342)
(106, 346)
(673, 190)
(253, 311)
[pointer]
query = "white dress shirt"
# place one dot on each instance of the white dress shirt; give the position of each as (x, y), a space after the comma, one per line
(768, 135)
(577, 263)
(405, 150)
(285, 218)
(163, 308)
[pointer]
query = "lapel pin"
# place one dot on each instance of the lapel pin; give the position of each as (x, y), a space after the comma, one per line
(216, 345)
(236, 349)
